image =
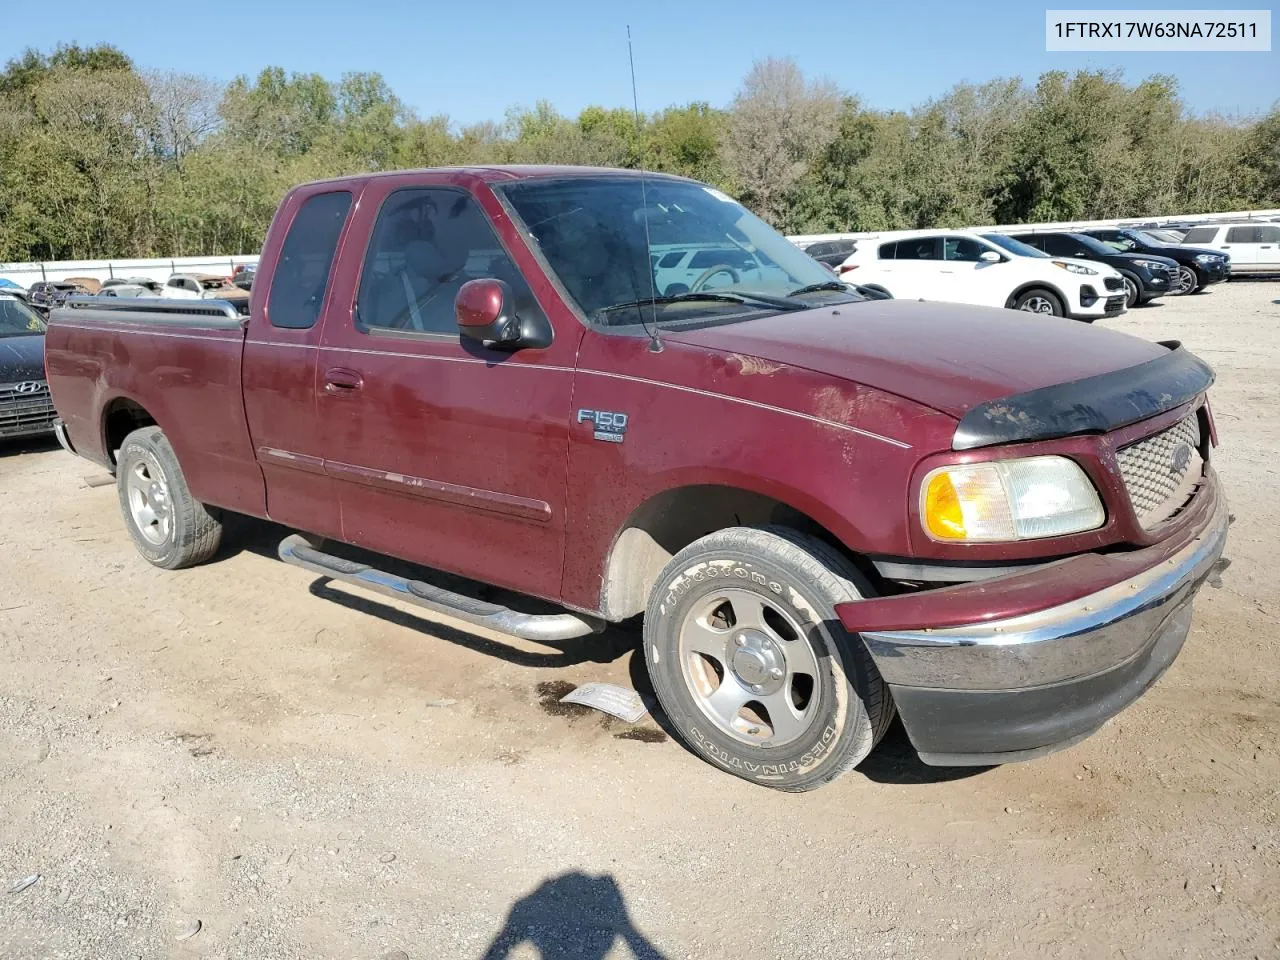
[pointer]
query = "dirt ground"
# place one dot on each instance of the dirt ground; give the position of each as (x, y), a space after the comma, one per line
(310, 774)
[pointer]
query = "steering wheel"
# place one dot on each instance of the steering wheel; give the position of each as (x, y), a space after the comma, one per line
(710, 272)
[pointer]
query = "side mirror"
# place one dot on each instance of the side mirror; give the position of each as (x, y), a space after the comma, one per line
(485, 313)
(990, 256)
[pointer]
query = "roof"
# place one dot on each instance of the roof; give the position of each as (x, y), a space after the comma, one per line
(508, 172)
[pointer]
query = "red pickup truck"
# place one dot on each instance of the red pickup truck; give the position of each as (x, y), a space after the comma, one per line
(627, 395)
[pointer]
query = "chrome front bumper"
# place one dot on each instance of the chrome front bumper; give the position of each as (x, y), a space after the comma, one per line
(1014, 688)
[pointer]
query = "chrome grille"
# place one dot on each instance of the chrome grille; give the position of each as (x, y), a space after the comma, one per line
(1161, 471)
(25, 408)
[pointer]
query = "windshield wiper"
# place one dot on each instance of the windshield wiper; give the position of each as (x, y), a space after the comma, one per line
(753, 298)
(815, 287)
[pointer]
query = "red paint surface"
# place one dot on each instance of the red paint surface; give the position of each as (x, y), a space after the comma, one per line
(445, 453)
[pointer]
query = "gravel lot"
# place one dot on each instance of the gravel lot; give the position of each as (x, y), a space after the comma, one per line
(309, 773)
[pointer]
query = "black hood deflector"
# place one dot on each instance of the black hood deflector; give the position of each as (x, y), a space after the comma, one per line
(1092, 405)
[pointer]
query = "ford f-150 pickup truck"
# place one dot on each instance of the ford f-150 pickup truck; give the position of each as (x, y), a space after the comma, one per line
(826, 508)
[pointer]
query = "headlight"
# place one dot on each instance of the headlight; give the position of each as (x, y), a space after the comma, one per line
(1206, 258)
(1075, 268)
(1009, 500)
(1149, 264)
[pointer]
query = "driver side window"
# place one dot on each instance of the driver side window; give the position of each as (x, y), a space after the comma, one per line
(427, 243)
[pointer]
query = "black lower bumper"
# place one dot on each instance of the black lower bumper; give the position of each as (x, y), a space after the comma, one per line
(980, 727)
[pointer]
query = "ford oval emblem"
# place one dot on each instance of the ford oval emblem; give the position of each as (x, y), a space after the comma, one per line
(1180, 460)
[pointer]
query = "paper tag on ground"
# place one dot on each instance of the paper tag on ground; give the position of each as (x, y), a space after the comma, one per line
(612, 699)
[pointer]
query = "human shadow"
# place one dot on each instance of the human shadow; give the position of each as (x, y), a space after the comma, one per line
(575, 916)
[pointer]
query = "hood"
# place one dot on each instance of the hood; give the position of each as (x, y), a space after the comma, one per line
(1169, 262)
(21, 358)
(1193, 251)
(1104, 269)
(947, 356)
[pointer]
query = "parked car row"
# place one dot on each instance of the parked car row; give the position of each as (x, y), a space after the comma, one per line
(984, 269)
(48, 294)
(1147, 260)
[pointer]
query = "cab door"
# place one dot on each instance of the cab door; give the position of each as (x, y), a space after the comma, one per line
(279, 368)
(968, 278)
(1242, 244)
(917, 269)
(443, 452)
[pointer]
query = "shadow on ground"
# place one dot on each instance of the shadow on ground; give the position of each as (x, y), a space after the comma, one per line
(40, 444)
(575, 916)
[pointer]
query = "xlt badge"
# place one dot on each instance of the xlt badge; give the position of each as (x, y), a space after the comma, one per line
(607, 424)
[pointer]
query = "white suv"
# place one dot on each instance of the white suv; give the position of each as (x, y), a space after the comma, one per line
(1254, 247)
(964, 267)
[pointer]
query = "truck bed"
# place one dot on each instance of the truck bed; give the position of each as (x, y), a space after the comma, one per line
(182, 362)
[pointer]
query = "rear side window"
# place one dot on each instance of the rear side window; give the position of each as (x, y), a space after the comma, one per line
(716, 258)
(1268, 234)
(887, 251)
(925, 248)
(1243, 235)
(302, 272)
(1200, 235)
(671, 260)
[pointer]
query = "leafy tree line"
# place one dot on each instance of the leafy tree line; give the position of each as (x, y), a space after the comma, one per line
(101, 159)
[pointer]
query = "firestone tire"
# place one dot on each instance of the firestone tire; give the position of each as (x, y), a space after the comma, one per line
(746, 615)
(170, 528)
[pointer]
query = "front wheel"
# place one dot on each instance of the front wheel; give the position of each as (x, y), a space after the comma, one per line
(170, 528)
(1132, 291)
(751, 664)
(1039, 301)
(1185, 282)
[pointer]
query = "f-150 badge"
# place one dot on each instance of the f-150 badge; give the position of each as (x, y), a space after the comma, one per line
(609, 426)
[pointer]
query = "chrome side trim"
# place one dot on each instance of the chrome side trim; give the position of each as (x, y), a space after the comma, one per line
(454, 494)
(1067, 642)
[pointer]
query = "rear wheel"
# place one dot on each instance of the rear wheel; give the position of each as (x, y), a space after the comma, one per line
(751, 664)
(170, 528)
(1039, 301)
(1185, 282)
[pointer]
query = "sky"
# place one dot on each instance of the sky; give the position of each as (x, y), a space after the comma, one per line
(472, 61)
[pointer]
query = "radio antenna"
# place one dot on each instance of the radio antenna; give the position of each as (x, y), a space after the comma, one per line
(655, 345)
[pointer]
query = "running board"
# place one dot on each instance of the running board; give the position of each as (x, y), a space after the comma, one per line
(295, 550)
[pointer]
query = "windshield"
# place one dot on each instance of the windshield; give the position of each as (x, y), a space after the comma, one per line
(1016, 247)
(1093, 244)
(1159, 238)
(592, 233)
(17, 319)
(1127, 241)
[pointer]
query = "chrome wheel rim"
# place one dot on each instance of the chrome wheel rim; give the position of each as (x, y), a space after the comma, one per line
(1036, 305)
(148, 494)
(1186, 280)
(1130, 292)
(750, 668)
